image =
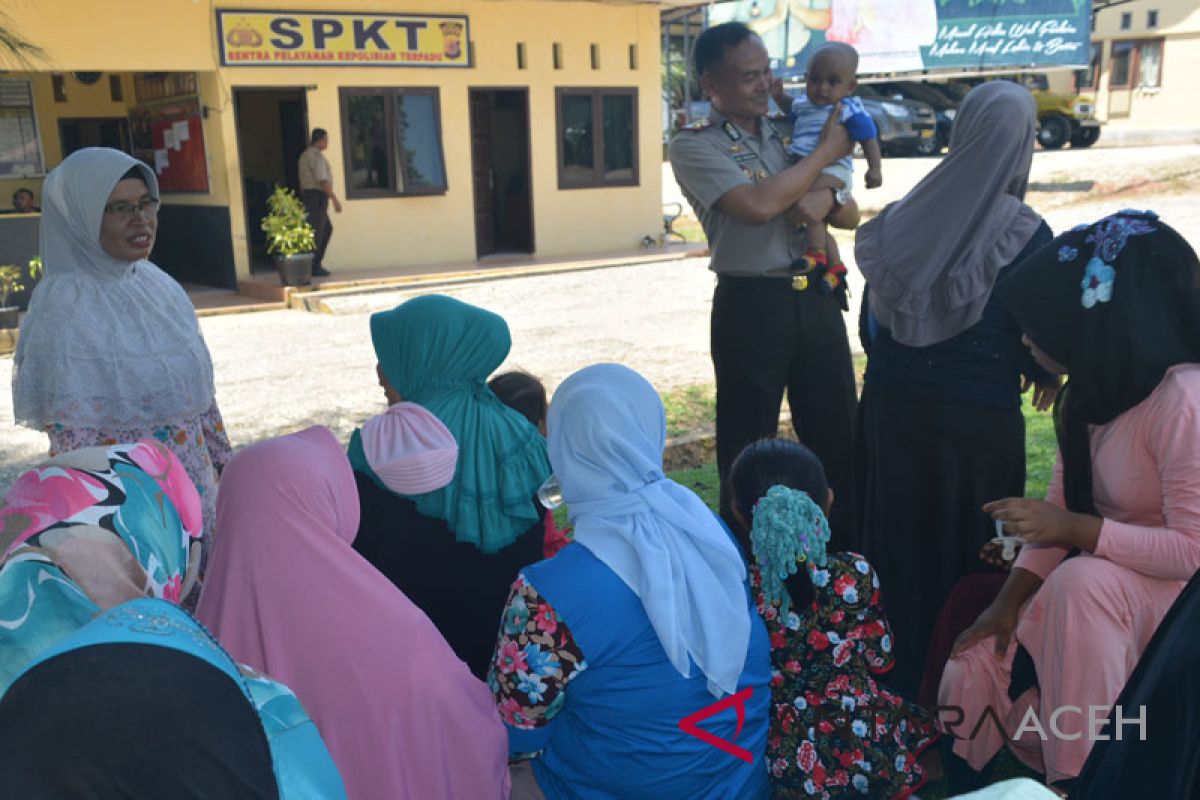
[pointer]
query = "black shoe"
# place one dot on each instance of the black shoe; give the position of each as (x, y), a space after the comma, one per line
(320, 272)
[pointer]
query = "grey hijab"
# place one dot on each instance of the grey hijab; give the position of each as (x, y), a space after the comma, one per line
(931, 258)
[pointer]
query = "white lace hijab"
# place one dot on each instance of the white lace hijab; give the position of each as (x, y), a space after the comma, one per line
(106, 344)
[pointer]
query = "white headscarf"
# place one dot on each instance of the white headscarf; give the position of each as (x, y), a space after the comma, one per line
(107, 343)
(607, 433)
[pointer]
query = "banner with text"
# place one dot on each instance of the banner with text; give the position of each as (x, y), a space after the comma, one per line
(919, 35)
(291, 38)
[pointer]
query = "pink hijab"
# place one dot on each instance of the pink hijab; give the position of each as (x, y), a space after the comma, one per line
(402, 716)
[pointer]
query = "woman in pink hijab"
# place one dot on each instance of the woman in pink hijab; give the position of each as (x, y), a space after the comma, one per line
(402, 716)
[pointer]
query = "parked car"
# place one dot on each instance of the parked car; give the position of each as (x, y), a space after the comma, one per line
(1062, 117)
(905, 126)
(939, 96)
(1066, 118)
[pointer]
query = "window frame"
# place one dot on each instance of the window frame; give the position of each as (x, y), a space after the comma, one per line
(1135, 63)
(389, 95)
(37, 132)
(1162, 53)
(1093, 70)
(597, 95)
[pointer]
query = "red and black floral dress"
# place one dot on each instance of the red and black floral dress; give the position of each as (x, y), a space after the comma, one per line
(835, 732)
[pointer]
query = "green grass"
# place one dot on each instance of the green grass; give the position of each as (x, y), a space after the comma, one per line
(1040, 448)
(690, 409)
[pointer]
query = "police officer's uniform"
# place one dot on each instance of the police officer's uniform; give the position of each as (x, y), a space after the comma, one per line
(771, 329)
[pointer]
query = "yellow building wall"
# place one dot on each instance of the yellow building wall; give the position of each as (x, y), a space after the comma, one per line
(82, 101)
(137, 35)
(1170, 108)
(412, 231)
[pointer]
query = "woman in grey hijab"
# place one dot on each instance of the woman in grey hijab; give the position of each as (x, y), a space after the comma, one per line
(940, 425)
(110, 351)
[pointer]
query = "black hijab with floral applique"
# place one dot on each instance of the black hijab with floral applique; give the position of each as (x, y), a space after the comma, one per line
(1117, 303)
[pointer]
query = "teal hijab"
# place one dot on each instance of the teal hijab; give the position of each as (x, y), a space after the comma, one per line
(438, 353)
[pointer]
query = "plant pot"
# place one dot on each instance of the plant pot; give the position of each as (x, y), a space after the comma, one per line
(8, 316)
(295, 270)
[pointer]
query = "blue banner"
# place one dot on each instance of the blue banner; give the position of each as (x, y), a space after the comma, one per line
(918, 35)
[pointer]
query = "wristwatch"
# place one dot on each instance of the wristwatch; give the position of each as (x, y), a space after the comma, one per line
(841, 196)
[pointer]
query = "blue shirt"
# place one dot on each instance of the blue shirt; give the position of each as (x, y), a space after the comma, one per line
(982, 366)
(617, 734)
(809, 118)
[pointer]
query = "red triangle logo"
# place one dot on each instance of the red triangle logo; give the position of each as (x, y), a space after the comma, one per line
(688, 724)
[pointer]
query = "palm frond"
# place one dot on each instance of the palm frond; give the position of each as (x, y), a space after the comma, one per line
(15, 48)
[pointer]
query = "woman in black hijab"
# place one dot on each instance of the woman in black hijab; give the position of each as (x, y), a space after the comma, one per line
(1116, 305)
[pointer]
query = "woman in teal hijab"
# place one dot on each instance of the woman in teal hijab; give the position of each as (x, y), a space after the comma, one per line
(454, 550)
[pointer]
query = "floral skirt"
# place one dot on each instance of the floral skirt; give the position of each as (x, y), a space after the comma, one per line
(199, 442)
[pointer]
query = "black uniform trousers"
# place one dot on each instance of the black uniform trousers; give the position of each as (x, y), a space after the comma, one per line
(316, 204)
(767, 337)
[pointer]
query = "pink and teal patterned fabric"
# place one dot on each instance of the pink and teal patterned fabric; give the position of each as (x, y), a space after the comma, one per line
(89, 530)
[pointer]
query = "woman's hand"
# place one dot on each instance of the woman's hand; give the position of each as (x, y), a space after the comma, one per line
(999, 620)
(1039, 522)
(1044, 394)
(835, 140)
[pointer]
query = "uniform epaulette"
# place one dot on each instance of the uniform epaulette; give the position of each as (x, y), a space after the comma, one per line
(698, 125)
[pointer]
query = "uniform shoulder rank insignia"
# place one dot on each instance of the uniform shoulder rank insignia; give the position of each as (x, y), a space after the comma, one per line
(699, 124)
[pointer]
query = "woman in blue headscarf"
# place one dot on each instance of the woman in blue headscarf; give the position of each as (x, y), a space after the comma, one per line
(80, 535)
(608, 648)
(143, 703)
(452, 551)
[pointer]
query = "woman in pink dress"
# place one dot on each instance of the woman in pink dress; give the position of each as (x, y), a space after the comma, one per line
(1116, 305)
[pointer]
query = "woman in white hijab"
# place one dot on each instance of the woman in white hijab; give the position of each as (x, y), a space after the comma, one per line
(610, 652)
(110, 350)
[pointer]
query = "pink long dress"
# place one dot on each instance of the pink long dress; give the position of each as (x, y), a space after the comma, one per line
(1087, 625)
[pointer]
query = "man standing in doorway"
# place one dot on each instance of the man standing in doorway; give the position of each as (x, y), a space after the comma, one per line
(316, 192)
(772, 328)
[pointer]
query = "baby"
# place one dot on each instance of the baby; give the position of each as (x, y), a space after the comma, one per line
(830, 79)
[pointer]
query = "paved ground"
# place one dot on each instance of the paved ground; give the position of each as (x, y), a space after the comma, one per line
(280, 371)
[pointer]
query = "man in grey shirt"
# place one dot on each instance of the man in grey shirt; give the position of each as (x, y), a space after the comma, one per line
(771, 328)
(316, 192)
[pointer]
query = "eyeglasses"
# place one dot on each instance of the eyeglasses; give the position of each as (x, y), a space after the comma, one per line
(147, 205)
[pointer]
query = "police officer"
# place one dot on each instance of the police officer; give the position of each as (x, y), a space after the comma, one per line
(771, 328)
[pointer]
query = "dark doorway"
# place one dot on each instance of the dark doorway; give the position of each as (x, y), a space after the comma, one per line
(500, 171)
(272, 130)
(76, 134)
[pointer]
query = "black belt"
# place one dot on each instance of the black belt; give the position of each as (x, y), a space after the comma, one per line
(821, 279)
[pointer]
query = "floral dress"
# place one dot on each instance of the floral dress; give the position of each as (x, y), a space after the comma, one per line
(536, 657)
(835, 732)
(200, 443)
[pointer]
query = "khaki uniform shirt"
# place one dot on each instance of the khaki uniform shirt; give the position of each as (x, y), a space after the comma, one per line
(712, 156)
(314, 168)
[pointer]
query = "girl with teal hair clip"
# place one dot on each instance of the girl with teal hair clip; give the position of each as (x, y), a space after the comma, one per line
(835, 732)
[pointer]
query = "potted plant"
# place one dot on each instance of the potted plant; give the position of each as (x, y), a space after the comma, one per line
(290, 239)
(10, 284)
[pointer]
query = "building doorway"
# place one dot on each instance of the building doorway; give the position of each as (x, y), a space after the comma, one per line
(272, 132)
(500, 171)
